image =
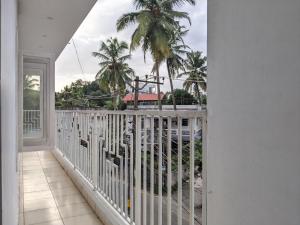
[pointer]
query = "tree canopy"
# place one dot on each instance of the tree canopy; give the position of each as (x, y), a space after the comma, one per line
(82, 94)
(157, 21)
(114, 73)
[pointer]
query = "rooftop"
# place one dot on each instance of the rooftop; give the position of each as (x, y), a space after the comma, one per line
(143, 97)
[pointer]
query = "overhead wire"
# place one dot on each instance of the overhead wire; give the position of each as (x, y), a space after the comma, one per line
(77, 55)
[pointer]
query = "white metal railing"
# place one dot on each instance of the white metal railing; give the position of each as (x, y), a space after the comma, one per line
(31, 122)
(146, 171)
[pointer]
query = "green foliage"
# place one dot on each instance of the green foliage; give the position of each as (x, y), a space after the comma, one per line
(204, 100)
(31, 93)
(186, 157)
(175, 61)
(198, 155)
(120, 105)
(182, 97)
(114, 73)
(31, 99)
(196, 72)
(79, 95)
(157, 22)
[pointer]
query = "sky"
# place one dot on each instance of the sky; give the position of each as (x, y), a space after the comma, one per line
(100, 24)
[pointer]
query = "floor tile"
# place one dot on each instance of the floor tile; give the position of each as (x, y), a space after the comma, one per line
(65, 191)
(35, 179)
(55, 173)
(21, 219)
(50, 164)
(32, 163)
(80, 220)
(61, 185)
(69, 199)
(33, 176)
(42, 215)
(33, 172)
(75, 210)
(37, 195)
(53, 170)
(49, 196)
(56, 222)
(30, 167)
(44, 203)
(58, 178)
(35, 182)
(35, 188)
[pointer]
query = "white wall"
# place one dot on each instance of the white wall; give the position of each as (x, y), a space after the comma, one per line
(9, 111)
(254, 112)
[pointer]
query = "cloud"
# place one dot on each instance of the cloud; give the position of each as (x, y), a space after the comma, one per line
(100, 24)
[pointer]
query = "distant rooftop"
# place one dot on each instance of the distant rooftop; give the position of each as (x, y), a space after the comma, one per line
(143, 97)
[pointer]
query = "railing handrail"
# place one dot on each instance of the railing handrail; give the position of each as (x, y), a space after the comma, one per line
(31, 110)
(171, 113)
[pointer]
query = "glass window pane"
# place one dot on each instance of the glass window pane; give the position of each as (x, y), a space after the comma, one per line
(32, 103)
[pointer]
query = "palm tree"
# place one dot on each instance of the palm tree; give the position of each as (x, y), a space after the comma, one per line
(115, 73)
(30, 83)
(196, 72)
(156, 21)
(175, 61)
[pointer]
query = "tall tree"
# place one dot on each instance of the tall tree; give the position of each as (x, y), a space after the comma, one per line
(175, 61)
(196, 72)
(115, 73)
(157, 21)
(31, 93)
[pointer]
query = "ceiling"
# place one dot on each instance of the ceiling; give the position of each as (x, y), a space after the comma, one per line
(46, 26)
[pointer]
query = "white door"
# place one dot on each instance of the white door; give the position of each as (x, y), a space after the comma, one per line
(35, 103)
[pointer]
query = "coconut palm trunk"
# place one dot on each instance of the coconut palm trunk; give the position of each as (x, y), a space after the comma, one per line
(171, 86)
(114, 100)
(198, 93)
(158, 86)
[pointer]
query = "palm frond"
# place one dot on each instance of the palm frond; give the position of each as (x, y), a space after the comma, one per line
(100, 56)
(126, 20)
(180, 15)
(176, 3)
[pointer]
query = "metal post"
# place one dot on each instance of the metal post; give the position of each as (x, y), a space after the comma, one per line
(136, 92)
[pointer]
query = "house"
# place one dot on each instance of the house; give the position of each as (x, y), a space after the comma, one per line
(251, 129)
(143, 98)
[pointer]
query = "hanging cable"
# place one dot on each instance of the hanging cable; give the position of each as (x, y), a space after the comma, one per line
(78, 59)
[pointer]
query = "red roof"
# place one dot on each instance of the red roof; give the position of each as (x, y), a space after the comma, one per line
(143, 97)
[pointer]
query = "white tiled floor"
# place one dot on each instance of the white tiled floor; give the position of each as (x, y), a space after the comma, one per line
(48, 196)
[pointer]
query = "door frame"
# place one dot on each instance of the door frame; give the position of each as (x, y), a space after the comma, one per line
(0, 116)
(29, 143)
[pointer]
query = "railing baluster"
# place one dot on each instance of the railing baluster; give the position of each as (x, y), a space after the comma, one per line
(145, 173)
(126, 171)
(192, 121)
(179, 198)
(160, 165)
(138, 171)
(169, 197)
(122, 152)
(122, 166)
(131, 165)
(114, 134)
(152, 172)
(204, 172)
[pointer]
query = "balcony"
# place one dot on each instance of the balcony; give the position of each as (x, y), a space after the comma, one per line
(139, 167)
